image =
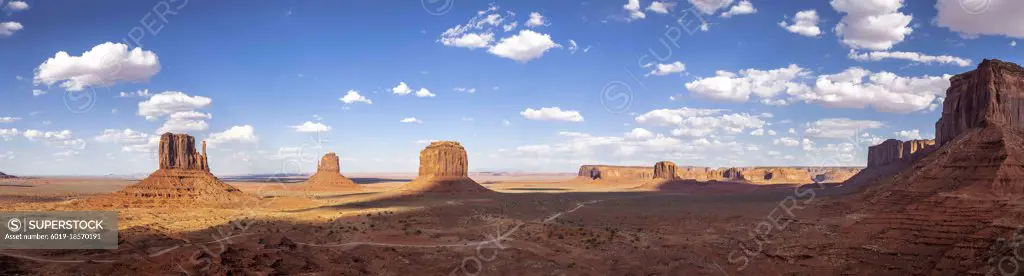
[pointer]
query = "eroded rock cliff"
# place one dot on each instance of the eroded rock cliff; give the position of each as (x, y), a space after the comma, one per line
(444, 169)
(991, 95)
(183, 180)
(328, 175)
(616, 172)
(665, 170)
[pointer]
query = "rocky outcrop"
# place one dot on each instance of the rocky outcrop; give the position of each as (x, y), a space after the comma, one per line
(444, 168)
(328, 175)
(946, 212)
(615, 172)
(896, 151)
(752, 175)
(444, 158)
(665, 170)
(991, 95)
(183, 180)
(2, 175)
(178, 151)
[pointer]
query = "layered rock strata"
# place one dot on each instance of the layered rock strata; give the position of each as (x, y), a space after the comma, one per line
(444, 168)
(328, 175)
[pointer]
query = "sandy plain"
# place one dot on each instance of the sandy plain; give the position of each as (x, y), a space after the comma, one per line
(534, 225)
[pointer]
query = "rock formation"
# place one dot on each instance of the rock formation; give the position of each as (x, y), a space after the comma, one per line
(893, 151)
(2, 175)
(991, 95)
(948, 206)
(444, 168)
(328, 175)
(665, 170)
(750, 175)
(605, 172)
(179, 152)
(182, 180)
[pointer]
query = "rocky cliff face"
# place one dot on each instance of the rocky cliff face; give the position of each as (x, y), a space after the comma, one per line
(178, 151)
(948, 211)
(665, 170)
(896, 151)
(329, 163)
(753, 175)
(183, 180)
(328, 175)
(444, 158)
(992, 94)
(444, 169)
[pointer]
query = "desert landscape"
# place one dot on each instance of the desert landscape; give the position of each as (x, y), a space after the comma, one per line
(949, 206)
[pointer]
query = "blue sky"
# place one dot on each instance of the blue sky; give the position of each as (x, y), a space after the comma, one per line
(571, 82)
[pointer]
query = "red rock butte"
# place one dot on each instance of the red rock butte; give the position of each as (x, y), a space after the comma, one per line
(944, 204)
(444, 168)
(328, 175)
(182, 180)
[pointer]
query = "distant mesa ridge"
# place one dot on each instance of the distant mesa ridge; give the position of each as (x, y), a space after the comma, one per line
(753, 175)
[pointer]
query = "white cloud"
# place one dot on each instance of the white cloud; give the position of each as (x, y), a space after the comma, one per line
(353, 97)
(311, 127)
(728, 86)
(660, 7)
(839, 128)
(913, 134)
(523, 47)
(552, 114)
(875, 25)
(8, 120)
(470, 40)
(536, 20)
(9, 28)
(787, 141)
(771, 132)
(140, 93)
(701, 122)
(9, 133)
(633, 8)
(122, 136)
(169, 102)
(235, 134)
(884, 91)
(792, 131)
(467, 90)
(988, 17)
(105, 64)
(639, 134)
(411, 120)
(741, 8)
(710, 6)
(178, 125)
(17, 5)
(1013, 43)
(805, 23)
(757, 132)
(666, 69)
(424, 93)
(9, 155)
(911, 56)
(401, 89)
(505, 123)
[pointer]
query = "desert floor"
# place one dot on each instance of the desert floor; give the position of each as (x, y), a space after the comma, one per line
(533, 225)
